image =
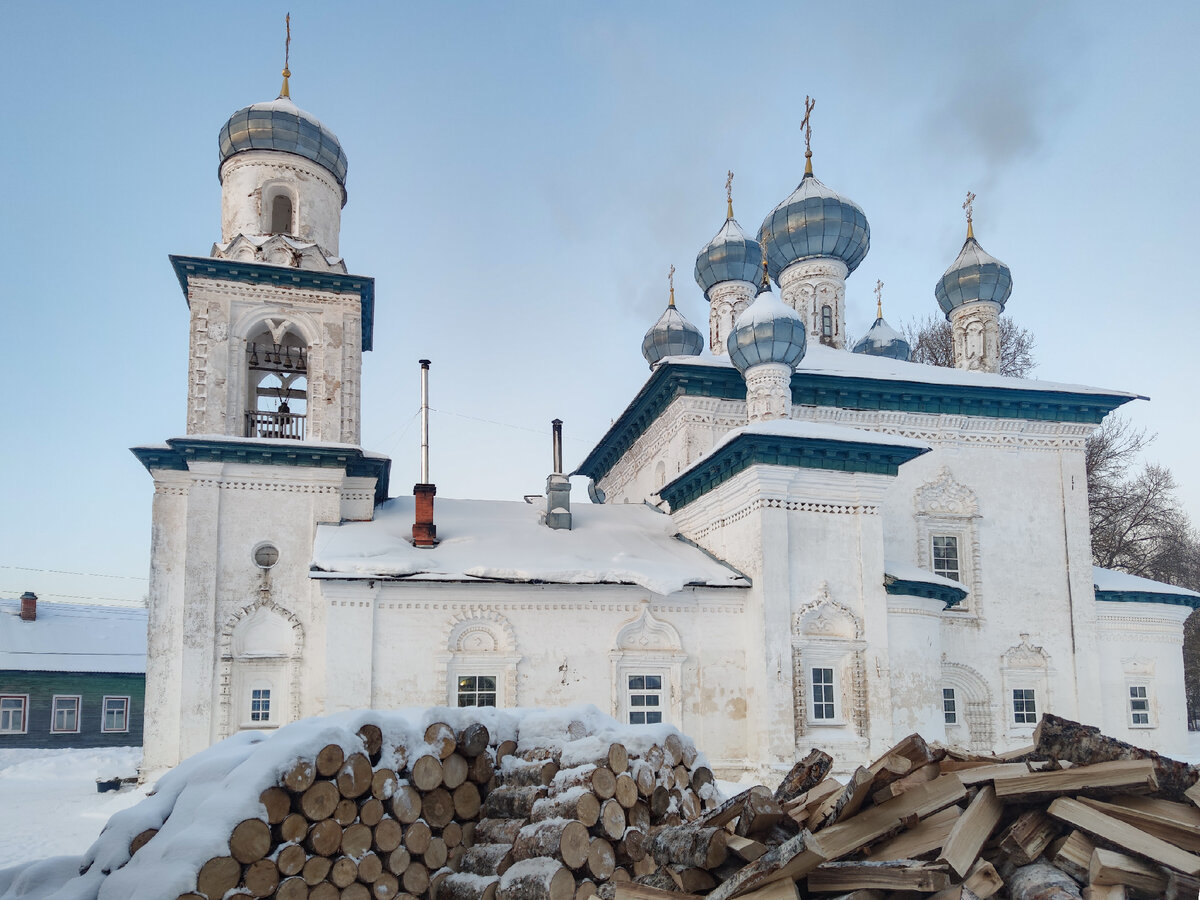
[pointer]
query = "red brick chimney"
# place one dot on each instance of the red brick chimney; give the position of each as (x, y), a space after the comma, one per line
(424, 531)
(29, 607)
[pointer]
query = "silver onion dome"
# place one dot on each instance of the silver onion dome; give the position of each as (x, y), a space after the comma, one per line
(730, 256)
(883, 340)
(671, 335)
(281, 125)
(814, 222)
(974, 275)
(767, 331)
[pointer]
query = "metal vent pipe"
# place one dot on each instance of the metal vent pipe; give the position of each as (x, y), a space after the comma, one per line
(556, 424)
(424, 421)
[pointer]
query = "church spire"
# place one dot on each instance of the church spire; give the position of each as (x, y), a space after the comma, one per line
(287, 50)
(809, 103)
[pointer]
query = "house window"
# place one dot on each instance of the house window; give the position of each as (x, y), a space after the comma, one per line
(65, 715)
(116, 714)
(1139, 705)
(477, 690)
(645, 699)
(826, 322)
(945, 556)
(281, 214)
(12, 714)
(1024, 706)
(260, 705)
(949, 706)
(822, 685)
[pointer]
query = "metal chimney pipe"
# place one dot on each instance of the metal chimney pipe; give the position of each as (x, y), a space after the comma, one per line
(424, 421)
(556, 424)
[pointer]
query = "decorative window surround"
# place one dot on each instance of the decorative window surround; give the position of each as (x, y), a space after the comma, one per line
(975, 728)
(65, 714)
(479, 642)
(1024, 706)
(1139, 707)
(262, 645)
(949, 706)
(14, 713)
(647, 645)
(944, 509)
(827, 635)
(644, 698)
(476, 690)
(1024, 668)
(260, 704)
(118, 707)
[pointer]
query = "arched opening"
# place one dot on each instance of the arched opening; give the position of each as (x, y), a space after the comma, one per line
(826, 323)
(281, 214)
(277, 383)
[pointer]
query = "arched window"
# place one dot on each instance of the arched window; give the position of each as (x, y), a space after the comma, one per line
(826, 322)
(281, 214)
(277, 384)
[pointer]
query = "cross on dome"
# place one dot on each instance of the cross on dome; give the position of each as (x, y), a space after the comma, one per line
(878, 299)
(809, 104)
(671, 282)
(287, 52)
(969, 206)
(729, 194)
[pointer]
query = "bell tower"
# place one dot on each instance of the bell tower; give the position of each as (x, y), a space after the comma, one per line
(277, 328)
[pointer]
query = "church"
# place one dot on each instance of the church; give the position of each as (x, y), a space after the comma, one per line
(792, 542)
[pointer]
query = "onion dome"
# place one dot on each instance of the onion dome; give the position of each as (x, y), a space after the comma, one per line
(730, 256)
(281, 125)
(767, 331)
(975, 275)
(814, 222)
(672, 334)
(883, 340)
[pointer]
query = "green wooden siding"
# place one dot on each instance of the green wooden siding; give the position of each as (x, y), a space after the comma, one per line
(91, 688)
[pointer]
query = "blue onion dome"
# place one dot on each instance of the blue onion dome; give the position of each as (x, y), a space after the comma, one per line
(883, 340)
(281, 125)
(815, 222)
(730, 256)
(974, 275)
(671, 335)
(767, 331)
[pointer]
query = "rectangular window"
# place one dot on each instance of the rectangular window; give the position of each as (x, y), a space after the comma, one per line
(12, 714)
(65, 715)
(645, 696)
(477, 690)
(945, 556)
(1024, 706)
(822, 685)
(949, 706)
(116, 714)
(1139, 705)
(260, 705)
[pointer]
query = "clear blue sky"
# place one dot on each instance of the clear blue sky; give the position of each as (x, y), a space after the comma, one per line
(522, 175)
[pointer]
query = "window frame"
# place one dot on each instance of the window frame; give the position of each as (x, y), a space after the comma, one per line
(1146, 698)
(24, 698)
(1030, 714)
(251, 713)
(104, 713)
(476, 691)
(826, 321)
(660, 694)
(950, 706)
(829, 694)
(934, 538)
(78, 698)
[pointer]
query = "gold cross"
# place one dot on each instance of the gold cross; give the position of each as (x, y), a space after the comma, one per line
(878, 299)
(809, 104)
(287, 52)
(969, 205)
(766, 279)
(729, 193)
(671, 282)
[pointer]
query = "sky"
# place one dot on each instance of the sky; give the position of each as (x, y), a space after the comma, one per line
(521, 177)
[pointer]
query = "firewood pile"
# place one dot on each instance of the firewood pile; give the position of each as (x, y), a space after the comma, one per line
(462, 816)
(1077, 815)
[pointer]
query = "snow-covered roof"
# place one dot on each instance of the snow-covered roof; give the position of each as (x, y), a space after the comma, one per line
(73, 637)
(817, 431)
(909, 572)
(264, 442)
(1123, 586)
(507, 541)
(822, 360)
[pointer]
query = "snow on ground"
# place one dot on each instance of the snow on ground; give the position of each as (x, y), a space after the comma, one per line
(50, 803)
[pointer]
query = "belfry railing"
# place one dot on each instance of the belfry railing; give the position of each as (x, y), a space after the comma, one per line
(278, 425)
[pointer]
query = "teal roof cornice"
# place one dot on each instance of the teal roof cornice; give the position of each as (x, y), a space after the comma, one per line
(1189, 600)
(181, 452)
(670, 380)
(951, 596)
(187, 267)
(751, 449)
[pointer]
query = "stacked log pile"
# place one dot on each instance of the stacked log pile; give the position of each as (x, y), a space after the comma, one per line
(462, 816)
(1077, 815)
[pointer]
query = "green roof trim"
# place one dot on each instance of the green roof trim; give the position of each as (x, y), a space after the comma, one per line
(187, 267)
(670, 380)
(951, 596)
(751, 449)
(181, 452)
(1189, 600)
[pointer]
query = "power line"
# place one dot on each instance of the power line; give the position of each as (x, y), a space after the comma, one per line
(14, 592)
(65, 572)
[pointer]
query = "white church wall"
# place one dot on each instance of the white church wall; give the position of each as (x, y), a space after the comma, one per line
(249, 180)
(1141, 647)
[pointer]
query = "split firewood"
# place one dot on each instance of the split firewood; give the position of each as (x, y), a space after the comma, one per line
(1182, 887)
(759, 814)
(724, 812)
(789, 860)
(804, 775)
(691, 880)
(1177, 823)
(896, 875)
(919, 775)
(744, 848)
(1120, 776)
(1124, 835)
(846, 802)
(536, 879)
(637, 891)
(1042, 881)
(1072, 854)
(1058, 738)
(1143, 880)
(1028, 837)
(983, 880)
(927, 836)
(971, 830)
